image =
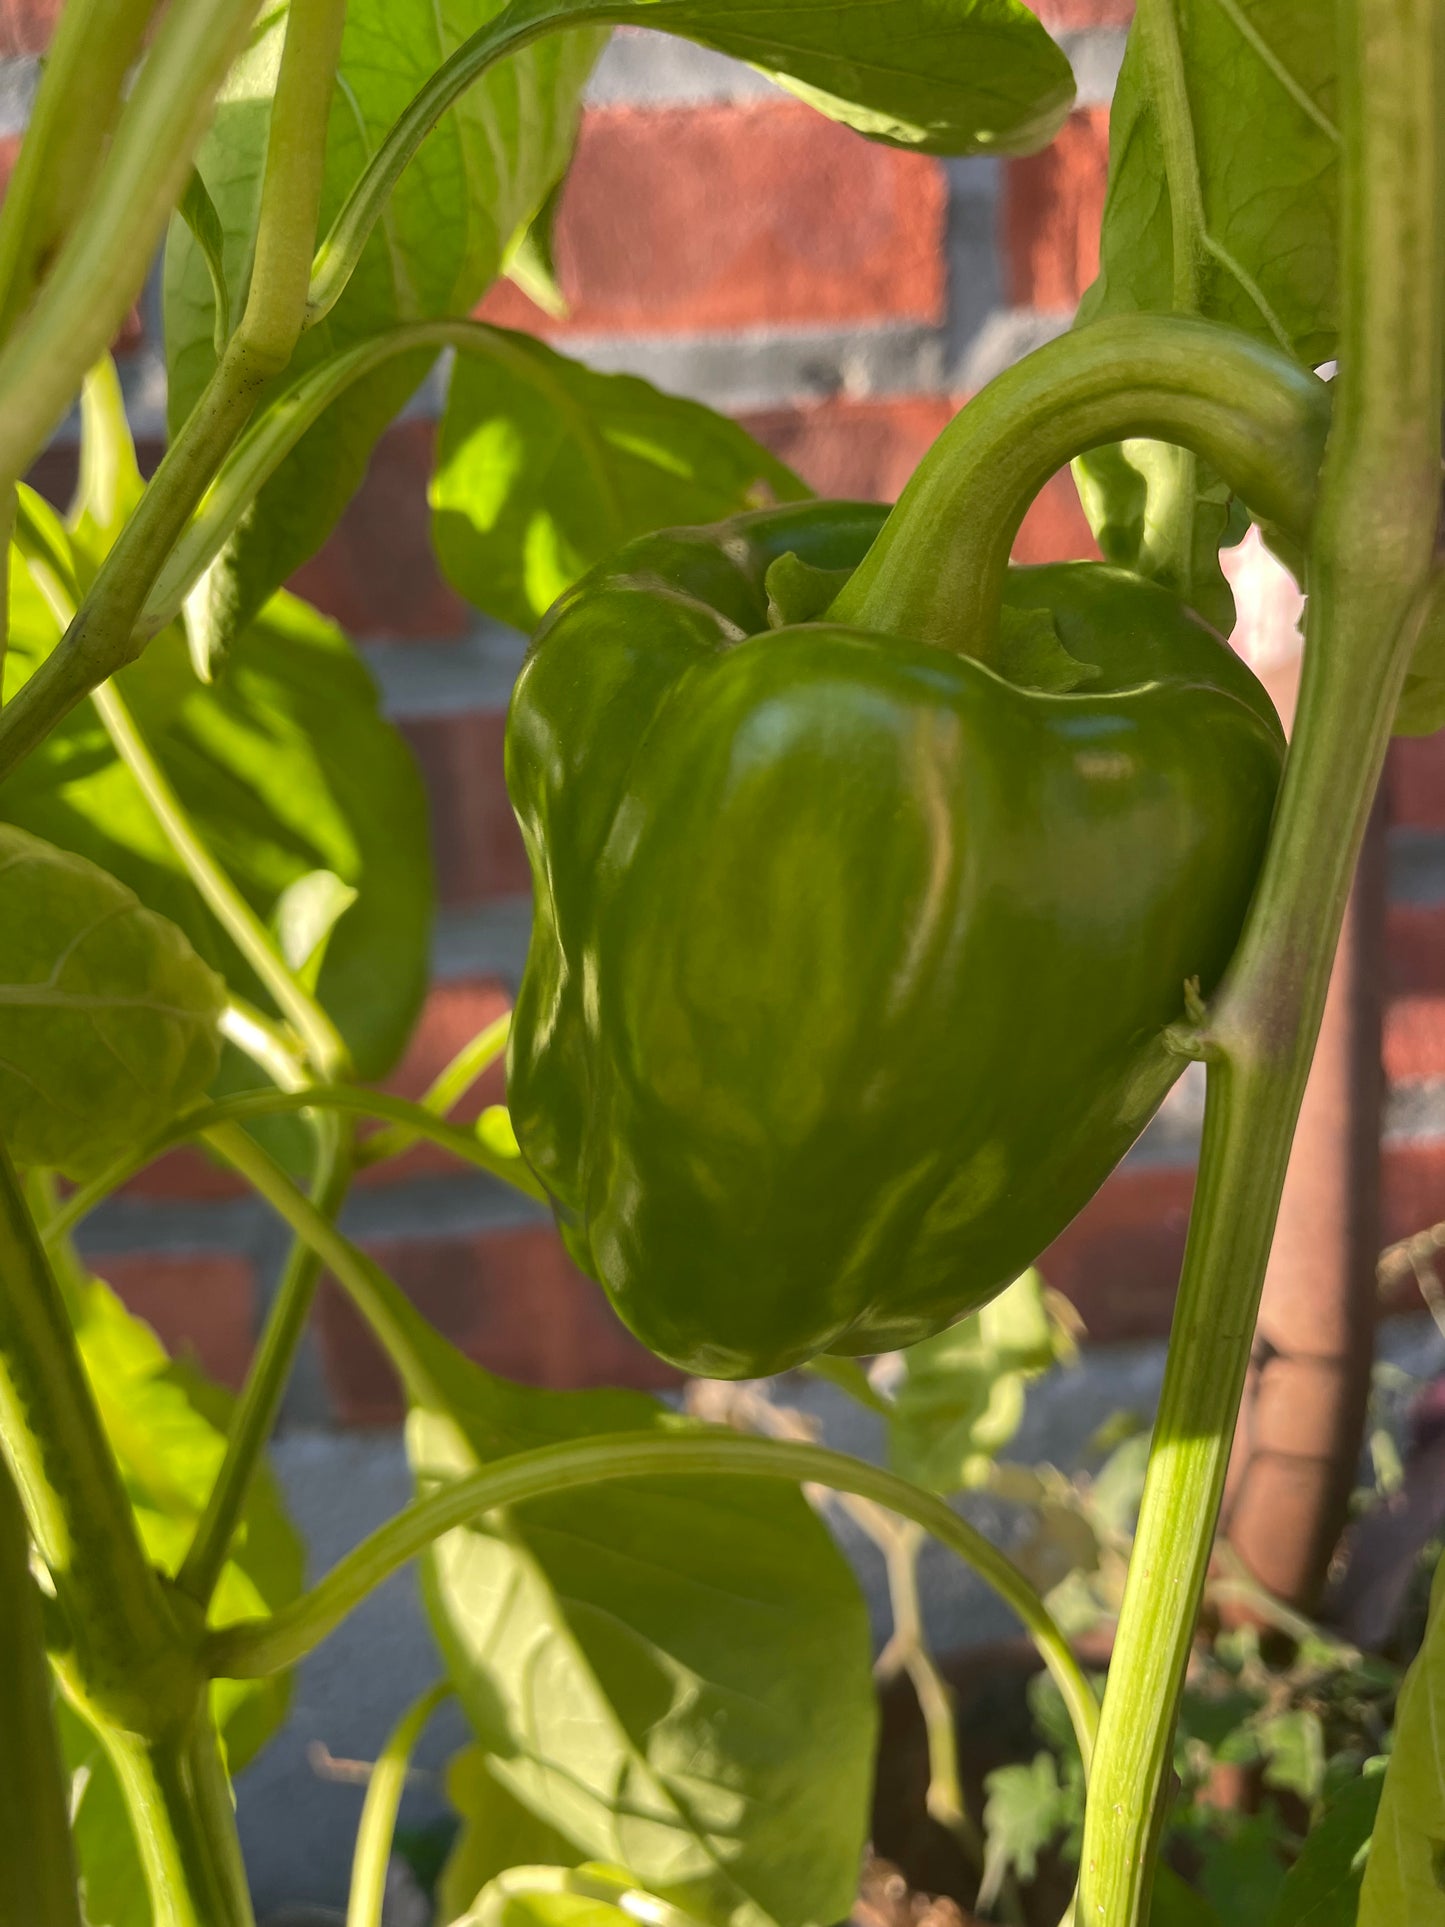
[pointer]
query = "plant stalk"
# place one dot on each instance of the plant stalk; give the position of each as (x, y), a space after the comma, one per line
(1370, 571)
(254, 1649)
(936, 572)
(374, 1835)
(311, 1023)
(79, 98)
(179, 1800)
(101, 264)
(105, 634)
(128, 1656)
(37, 1864)
(266, 1381)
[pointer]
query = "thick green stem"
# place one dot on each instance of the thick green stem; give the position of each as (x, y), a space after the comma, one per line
(291, 188)
(37, 1865)
(106, 634)
(103, 637)
(127, 1656)
(80, 96)
(937, 570)
(378, 1814)
(250, 1651)
(416, 1123)
(515, 27)
(100, 266)
(179, 1800)
(266, 1381)
(1370, 576)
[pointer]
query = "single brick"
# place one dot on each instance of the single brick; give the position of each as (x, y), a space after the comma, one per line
(859, 450)
(1053, 204)
(511, 1300)
(474, 834)
(453, 1014)
(1118, 1262)
(1414, 1043)
(1413, 1187)
(1068, 16)
(27, 25)
(726, 216)
(376, 574)
(188, 1176)
(1416, 781)
(1056, 528)
(201, 1305)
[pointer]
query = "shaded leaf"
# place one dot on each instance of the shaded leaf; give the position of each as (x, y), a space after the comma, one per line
(1322, 1888)
(107, 1016)
(674, 1675)
(497, 1832)
(960, 1397)
(168, 1425)
(545, 467)
(1025, 1809)
(1405, 1874)
(285, 768)
(479, 178)
(944, 76)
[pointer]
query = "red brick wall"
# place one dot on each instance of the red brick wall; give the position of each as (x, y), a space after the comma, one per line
(840, 298)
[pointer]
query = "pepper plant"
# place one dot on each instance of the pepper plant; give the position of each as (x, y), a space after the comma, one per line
(882, 892)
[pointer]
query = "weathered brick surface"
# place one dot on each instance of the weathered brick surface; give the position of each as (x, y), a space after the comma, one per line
(511, 1300)
(1069, 16)
(1416, 781)
(863, 449)
(26, 25)
(377, 575)
(453, 1015)
(1415, 1011)
(1118, 1262)
(477, 845)
(202, 1305)
(1053, 203)
(696, 219)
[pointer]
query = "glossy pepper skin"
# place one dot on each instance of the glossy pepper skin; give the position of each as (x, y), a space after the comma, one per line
(850, 958)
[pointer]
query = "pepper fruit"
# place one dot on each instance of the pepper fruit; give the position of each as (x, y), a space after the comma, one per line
(851, 958)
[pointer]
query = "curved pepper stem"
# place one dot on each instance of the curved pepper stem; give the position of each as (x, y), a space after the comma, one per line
(936, 572)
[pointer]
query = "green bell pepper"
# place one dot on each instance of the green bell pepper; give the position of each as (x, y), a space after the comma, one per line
(851, 958)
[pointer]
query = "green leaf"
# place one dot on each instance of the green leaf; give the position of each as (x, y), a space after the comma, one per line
(167, 1425)
(1322, 1888)
(1405, 1875)
(1294, 1746)
(107, 1016)
(307, 911)
(1025, 1809)
(945, 76)
(1154, 509)
(545, 467)
(1176, 1904)
(673, 1675)
(961, 1395)
(198, 211)
(285, 768)
(589, 1896)
(532, 263)
(497, 1832)
(1031, 656)
(479, 178)
(1259, 80)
